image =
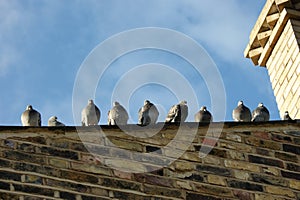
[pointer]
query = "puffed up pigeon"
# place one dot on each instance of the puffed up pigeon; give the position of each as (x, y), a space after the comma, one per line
(90, 115)
(177, 113)
(52, 121)
(31, 117)
(203, 115)
(117, 115)
(241, 113)
(260, 114)
(148, 113)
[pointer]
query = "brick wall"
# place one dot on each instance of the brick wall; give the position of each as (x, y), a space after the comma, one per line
(284, 69)
(249, 161)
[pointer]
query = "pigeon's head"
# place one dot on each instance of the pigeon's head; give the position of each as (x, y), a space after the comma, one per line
(29, 107)
(260, 105)
(116, 103)
(286, 113)
(184, 102)
(53, 118)
(240, 103)
(90, 101)
(146, 102)
(203, 108)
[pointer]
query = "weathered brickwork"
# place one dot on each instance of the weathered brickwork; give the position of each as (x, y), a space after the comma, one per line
(274, 43)
(284, 69)
(249, 161)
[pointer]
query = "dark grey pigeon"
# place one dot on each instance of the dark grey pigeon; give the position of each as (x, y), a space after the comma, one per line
(177, 113)
(148, 113)
(90, 115)
(241, 113)
(203, 115)
(31, 117)
(287, 116)
(52, 121)
(117, 115)
(260, 114)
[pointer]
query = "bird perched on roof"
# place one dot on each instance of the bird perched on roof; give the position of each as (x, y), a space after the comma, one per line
(148, 113)
(52, 121)
(286, 116)
(260, 114)
(177, 113)
(203, 115)
(31, 117)
(241, 113)
(90, 115)
(117, 115)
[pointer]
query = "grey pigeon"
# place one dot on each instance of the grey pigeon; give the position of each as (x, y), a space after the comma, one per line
(241, 113)
(177, 113)
(31, 117)
(90, 115)
(287, 116)
(117, 115)
(203, 115)
(52, 121)
(148, 114)
(260, 114)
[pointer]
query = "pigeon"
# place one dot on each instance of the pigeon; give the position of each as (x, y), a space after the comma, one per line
(260, 114)
(203, 115)
(148, 114)
(177, 113)
(117, 115)
(287, 116)
(31, 117)
(90, 115)
(52, 121)
(241, 113)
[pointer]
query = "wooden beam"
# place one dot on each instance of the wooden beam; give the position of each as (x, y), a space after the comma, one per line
(254, 54)
(274, 37)
(285, 15)
(264, 37)
(281, 4)
(272, 19)
(258, 25)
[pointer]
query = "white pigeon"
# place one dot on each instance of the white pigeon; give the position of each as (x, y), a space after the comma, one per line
(286, 116)
(203, 115)
(117, 115)
(177, 113)
(31, 117)
(148, 114)
(52, 121)
(90, 115)
(241, 113)
(260, 114)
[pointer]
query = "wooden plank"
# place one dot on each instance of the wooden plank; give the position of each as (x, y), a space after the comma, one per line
(264, 37)
(294, 14)
(254, 54)
(272, 20)
(283, 4)
(285, 15)
(258, 25)
(274, 38)
(246, 51)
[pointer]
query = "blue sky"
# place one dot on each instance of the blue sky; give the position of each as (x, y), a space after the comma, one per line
(44, 43)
